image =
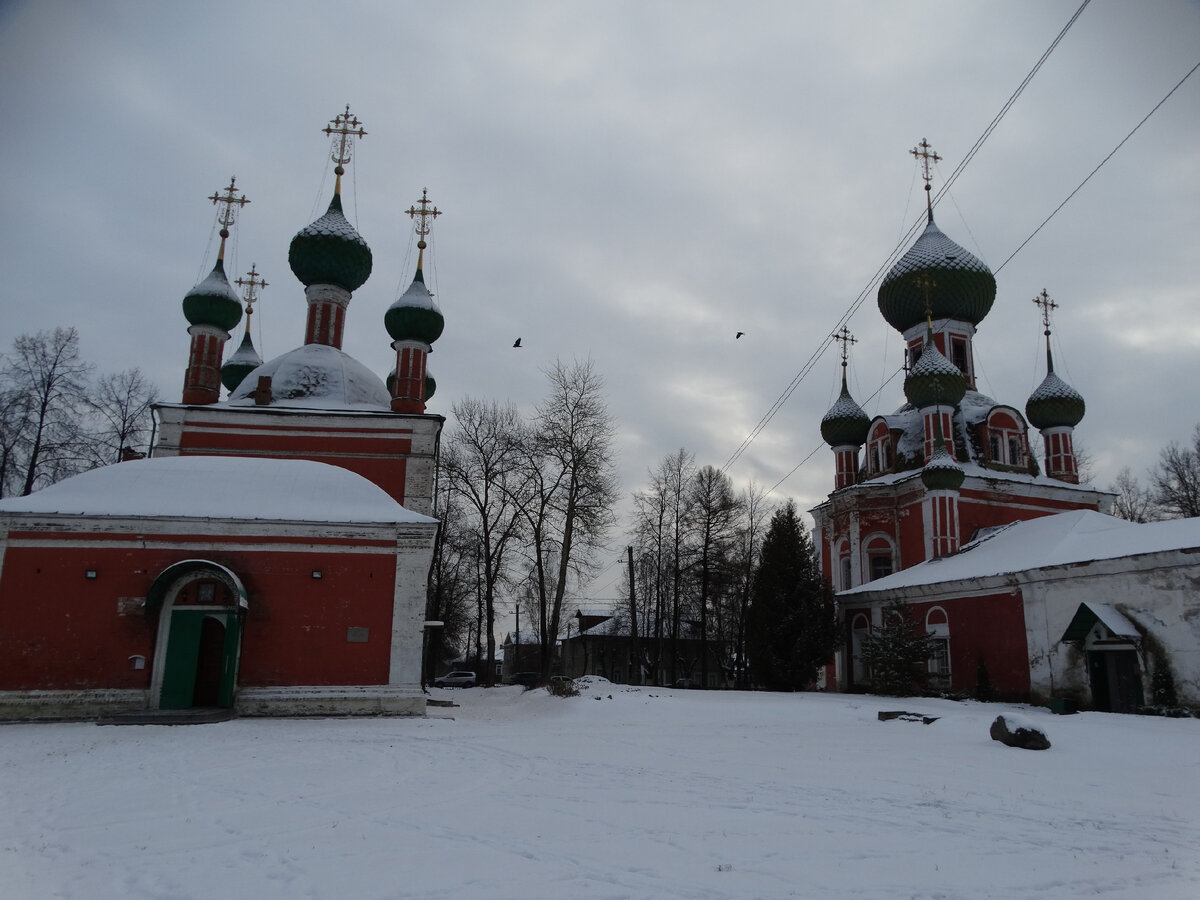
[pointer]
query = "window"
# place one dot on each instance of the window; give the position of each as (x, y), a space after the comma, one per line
(994, 444)
(844, 566)
(958, 354)
(1014, 450)
(937, 625)
(881, 565)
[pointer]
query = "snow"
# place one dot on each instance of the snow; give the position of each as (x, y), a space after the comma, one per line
(652, 794)
(316, 376)
(219, 487)
(1058, 540)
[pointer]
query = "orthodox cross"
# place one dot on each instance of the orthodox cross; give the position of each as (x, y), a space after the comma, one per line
(925, 153)
(342, 128)
(251, 286)
(845, 338)
(423, 217)
(1044, 303)
(226, 216)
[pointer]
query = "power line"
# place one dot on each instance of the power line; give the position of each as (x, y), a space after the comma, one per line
(896, 251)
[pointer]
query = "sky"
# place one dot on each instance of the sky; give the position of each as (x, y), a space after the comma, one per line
(630, 183)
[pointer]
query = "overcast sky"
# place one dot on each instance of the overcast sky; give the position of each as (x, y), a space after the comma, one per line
(630, 182)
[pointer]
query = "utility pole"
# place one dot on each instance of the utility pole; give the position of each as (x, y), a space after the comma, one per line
(635, 656)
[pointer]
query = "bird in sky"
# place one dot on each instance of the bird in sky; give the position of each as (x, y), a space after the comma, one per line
(738, 335)
(517, 342)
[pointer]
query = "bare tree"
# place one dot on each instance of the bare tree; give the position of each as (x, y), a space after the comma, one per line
(49, 382)
(714, 518)
(452, 587)
(120, 403)
(14, 429)
(575, 435)
(1176, 479)
(756, 511)
(482, 463)
(1133, 502)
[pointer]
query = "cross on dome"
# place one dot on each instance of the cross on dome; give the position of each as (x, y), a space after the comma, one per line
(250, 287)
(845, 338)
(925, 153)
(341, 129)
(231, 204)
(1044, 302)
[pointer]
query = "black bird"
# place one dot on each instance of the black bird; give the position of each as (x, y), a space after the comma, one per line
(517, 342)
(738, 335)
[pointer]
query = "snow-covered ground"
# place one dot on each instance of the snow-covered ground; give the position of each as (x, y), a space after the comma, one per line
(651, 793)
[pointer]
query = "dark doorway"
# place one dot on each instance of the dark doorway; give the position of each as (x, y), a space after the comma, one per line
(1116, 680)
(209, 663)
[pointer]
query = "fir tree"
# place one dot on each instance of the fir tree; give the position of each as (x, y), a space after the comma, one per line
(791, 627)
(897, 652)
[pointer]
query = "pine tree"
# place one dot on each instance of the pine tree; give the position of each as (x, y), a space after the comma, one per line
(897, 652)
(791, 627)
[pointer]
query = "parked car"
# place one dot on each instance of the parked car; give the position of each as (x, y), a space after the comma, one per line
(591, 681)
(455, 679)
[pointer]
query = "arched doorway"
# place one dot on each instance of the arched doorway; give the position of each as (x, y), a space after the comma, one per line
(200, 606)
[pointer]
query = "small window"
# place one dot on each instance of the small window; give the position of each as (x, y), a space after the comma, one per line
(846, 585)
(205, 592)
(958, 352)
(881, 565)
(939, 660)
(1014, 450)
(994, 444)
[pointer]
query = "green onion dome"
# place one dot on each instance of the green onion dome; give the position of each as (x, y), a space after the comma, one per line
(430, 386)
(243, 361)
(1054, 404)
(961, 286)
(414, 316)
(330, 251)
(845, 424)
(934, 380)
(213, 301)
(942, 473)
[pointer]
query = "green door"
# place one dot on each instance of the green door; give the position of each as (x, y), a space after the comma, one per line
(200, 667)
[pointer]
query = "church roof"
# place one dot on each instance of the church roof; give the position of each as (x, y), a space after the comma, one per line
(1064, 539)
(219, 487)
(317, 376)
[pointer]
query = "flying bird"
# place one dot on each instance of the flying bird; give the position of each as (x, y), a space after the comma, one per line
(738, 335)
(517, 342)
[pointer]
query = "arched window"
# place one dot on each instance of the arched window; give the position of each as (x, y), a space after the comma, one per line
(879, 555)
(845, 580)
(937, 625)
(859, 629)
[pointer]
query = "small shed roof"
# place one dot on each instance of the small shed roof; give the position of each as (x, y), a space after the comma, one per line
(1089, 614)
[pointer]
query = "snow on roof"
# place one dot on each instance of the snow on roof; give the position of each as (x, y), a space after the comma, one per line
(222, 487)
(316, 376)
(1058, 540)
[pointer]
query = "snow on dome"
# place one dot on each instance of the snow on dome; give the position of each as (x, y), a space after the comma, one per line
(414, 316)
(219, 487)
(317, 376)
(1054, 403)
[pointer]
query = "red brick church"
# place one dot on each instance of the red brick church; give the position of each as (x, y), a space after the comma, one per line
(945, 467)
(272, 555)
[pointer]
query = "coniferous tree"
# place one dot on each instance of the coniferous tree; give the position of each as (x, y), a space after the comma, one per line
(791, 627)
(897, 652)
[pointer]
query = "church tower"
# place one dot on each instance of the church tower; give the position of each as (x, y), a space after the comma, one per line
(212, 310)
(1054, 409)
(951, 463)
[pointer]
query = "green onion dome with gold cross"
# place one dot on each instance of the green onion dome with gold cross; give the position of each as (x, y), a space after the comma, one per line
(213, 301)
(845, 424)
(1053, 403)
(330, 250)
(934, 380)
(245, 359)
(963, 287)
(414, 316)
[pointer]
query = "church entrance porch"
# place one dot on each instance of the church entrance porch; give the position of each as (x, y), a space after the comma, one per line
(200, 606)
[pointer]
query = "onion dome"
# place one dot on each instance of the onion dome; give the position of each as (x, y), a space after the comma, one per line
(414, 316)
(960, 286)
(1054, 403)
(934, 380)
(243, 361)
(318, 376)
(430, 386)
(845, 424)
(330, 251)
(942, 473)
(213, 301)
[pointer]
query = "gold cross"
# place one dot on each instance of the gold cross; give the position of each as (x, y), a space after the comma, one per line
(423, 215)
(923, 281)
(229, 199)
(1044, 302)
(845, 338)
(251, 285)
(922, 152)
(341, 128)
